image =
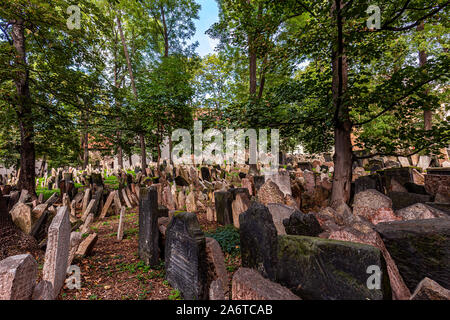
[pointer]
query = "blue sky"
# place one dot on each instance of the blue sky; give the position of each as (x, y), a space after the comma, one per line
(209, 13)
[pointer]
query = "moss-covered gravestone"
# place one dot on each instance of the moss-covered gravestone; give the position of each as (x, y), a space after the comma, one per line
(258, 240)
(322, 269)
(185, 256)
(148, 226)
(420, 248)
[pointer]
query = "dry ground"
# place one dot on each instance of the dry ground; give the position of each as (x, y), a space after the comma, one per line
(114, 272)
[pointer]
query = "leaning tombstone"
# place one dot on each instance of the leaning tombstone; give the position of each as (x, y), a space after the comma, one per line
(185, 256)
(57, 252)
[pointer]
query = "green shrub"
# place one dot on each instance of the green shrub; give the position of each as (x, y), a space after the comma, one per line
(228, 238)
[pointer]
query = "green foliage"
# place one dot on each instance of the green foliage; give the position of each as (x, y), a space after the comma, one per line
(227, 237)
(47, 193)
(175, 295)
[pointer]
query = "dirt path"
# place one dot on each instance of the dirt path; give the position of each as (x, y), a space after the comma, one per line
(114, 272)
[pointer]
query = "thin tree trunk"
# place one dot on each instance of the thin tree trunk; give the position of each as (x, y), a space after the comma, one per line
(24, 112)
(119, 153)
(127, 57)
(43, 164)
(252, 66)
(85, 150)
(343, 128)
(165, 35)
(143, 153)
(427, 114)
(133, 86)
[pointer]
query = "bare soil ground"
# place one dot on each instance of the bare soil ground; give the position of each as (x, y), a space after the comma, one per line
(114, 272)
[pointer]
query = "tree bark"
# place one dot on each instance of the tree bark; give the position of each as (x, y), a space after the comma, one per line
(85, 150)
(133, 86)
(24, 111)
(427, 114)
(143, 153)
(165, 33)
(342, 125)
(252, 66)
(119, 153)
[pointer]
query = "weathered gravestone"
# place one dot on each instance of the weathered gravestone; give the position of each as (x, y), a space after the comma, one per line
(205, 174)
(322, 269)
(223, 202)
(369, 182)
(185, 256)
(258, 240)
(279, 212)
(420, 248)
(57, 252)
(17, 277)
(300, 224)
(258, 181)
(148, 226)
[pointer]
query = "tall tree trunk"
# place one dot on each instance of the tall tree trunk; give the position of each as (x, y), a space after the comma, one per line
(427, 114)
(252, 66)
(133, 86)
(343, 128)
(85, 150)
(119, 153)
(165, 32)
(24, 111)
(143, 153)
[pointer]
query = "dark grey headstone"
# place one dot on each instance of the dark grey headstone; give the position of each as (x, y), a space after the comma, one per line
(402, 200)
(401, 175)
(205, 174)
(420, 248)
(415, 188)
(148, 226)
(258, 240)
(323, 269)
(304, 166)
(375, 165)
(180, 181)
(258, 181)
(222, 202)
(300, 224)
(368, 182)
(235, 191)
(185, 256)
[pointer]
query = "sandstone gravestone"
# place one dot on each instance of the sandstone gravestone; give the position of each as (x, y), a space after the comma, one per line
(216, 263)
(258, 240)
(120, 227)
(282, 180)
(17, 277)
(279, 212)
(148, 226)
(240, 204)
(185, 256)
(57, 252)
(21, 216)
(250, 285)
